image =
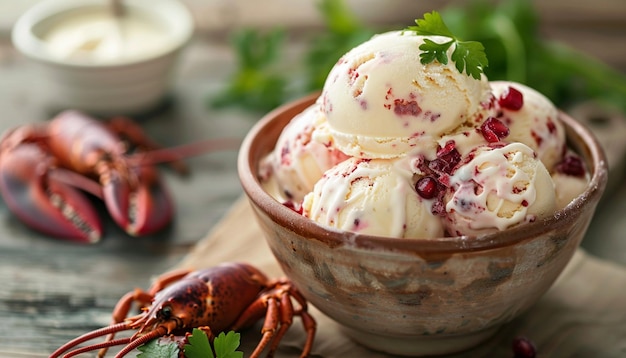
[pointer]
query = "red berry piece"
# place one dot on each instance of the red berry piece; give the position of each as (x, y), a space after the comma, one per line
(447, 148)
(512, 99)
(447, 158)
(438, 208)
(494, 130)
(571, 165)
(427, 187)
(523, 348)
(403, 107)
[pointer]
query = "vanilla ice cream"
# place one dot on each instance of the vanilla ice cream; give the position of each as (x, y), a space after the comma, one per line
(568, 187)
(381, 102)
(374, 197)
(570, 177)
(531, 118)
(297, 163)
(499, 187)
(397, 148)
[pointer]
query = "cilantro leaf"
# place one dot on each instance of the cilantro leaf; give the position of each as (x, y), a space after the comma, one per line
(198, 346)
(226, 345)
(468, 56)
(153, 349)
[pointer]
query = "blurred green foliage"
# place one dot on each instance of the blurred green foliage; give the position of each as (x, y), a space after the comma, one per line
(344, 31)
(518, 52)
(257, 83)
(508, 29)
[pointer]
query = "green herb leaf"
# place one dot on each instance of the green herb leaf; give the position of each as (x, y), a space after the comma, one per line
(432, 25)
(468, 56)
(471, 56)
(434, 51)
(226, 345)
(198, 346)
(153, 349)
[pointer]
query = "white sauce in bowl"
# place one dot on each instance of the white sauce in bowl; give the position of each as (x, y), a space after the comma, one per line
(96, 36)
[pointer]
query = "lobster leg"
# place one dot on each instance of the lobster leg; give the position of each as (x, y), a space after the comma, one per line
(279, 312)
(286, 320)
(120, 312)
(36, 196)
(270, 325)
(309, 324)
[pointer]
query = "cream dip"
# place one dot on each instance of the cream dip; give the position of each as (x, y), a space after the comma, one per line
(96, 36)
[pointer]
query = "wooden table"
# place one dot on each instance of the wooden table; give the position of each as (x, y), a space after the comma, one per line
(52, 291)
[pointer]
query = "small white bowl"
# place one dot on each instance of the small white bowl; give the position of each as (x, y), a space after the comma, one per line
(99, 81)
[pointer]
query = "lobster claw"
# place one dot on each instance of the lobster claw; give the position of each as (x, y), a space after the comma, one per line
(34, 194)
(140, 206)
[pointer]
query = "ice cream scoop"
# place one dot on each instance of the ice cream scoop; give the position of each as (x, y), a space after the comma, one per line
(300, 157)
(382, 102)
(418, 150)
(531, 118)
(498, 187)
(375, 197)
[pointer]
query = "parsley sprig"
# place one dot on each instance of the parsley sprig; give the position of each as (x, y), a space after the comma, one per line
(468, 56)
(225, 346)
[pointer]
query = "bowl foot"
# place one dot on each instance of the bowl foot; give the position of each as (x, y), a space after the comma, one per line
(419, 345)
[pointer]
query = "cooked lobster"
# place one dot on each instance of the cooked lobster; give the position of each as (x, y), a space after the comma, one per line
(230, 296)
(45, 168)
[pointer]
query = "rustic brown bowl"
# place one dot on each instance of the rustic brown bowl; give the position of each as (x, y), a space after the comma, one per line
(419, 296)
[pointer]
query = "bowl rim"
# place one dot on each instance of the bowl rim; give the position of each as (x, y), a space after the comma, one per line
(25, 40)
(592, 152)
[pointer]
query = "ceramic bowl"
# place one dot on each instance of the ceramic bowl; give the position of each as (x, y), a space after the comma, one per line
(124, 86)
(419, 296)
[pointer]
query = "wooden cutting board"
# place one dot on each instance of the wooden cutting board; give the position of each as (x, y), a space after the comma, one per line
(582, 315)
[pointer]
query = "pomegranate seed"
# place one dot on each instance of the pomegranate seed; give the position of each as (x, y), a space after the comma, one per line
(447, 158)
(427, 187)
(523, 348)
(494, 130)
(438, 208)
(512, 99)
(571, 165)
(447, 148)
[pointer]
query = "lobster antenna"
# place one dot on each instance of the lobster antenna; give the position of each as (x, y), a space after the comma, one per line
(93, 347)
(88, 336)
(158, 332)
(182, 151)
